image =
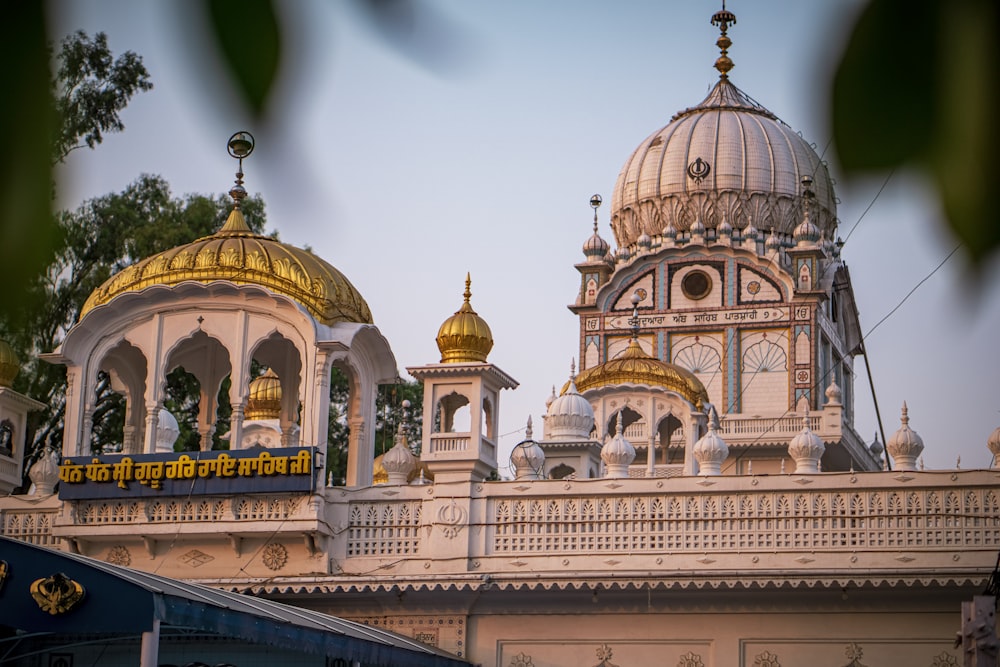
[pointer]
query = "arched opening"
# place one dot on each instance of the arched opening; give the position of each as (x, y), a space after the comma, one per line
(628, 417)
(487, 426)
(672, 448)
(118, 417)
(561, 471)
(452, 414)
(197, 393)
(272, 406)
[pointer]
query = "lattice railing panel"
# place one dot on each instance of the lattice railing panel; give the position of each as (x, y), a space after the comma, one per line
(764, 521)
(383, 529)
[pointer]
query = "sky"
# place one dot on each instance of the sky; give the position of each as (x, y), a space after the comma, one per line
(477, 146)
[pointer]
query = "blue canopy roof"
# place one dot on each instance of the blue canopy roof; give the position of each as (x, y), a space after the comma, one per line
(125, 601)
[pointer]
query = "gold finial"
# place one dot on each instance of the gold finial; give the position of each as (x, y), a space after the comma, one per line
(240, 145)
(468, 290)
(724, 19)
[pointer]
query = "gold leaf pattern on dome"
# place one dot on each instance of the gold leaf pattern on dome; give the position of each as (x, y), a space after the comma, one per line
(237, 255)
(264, 397)
(634, 366)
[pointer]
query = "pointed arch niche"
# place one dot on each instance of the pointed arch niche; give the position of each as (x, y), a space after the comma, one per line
(280, 355)
(208, 361)
(124, 369)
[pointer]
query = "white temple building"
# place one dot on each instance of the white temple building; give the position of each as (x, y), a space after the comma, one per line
(719, 328)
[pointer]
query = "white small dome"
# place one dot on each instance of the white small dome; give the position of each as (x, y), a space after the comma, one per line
(644, 241)
(670, 231)
(905, 445)
(167, 431)
(528, 458)
(617, 453)
(772, 242)
(45, 473)
(570, 416)
(710, 451)
(595, 248)
(806, 449)
(399, 461)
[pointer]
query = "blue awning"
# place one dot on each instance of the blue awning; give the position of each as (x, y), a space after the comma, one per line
(120, 600)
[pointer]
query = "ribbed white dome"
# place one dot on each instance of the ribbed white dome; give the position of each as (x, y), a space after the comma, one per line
(617, 454)
(527, 457)
(728, 157)
(167, 431)
(905, 445)
(806, 449)
(710, 451)
(570, 416)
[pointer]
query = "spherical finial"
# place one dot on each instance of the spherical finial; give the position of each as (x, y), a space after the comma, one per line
(406, 404)
(595, 202)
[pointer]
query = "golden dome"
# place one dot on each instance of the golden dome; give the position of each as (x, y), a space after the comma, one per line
(10, 365)
(636, 367)
(264, 400)
(237, 255)
(464, 337)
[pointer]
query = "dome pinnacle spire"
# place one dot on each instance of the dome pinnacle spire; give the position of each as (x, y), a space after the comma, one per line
(724, 18)
(240, 145)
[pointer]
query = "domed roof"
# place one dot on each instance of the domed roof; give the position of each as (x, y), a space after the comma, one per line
(235, 254)
(570, 416)
(636, 367)
(264, 398)
(464, 337)
(10, 365)
(726, 157)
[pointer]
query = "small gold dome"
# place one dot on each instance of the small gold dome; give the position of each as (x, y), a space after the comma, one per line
(264, 401)
(464, 337)
(10, 365)
(636, 367)
(237, 255)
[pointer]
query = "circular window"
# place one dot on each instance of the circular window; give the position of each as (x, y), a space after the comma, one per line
(696, 285)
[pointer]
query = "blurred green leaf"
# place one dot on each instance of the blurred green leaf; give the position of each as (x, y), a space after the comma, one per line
(916, 88)
(27, 125)
(248, 36)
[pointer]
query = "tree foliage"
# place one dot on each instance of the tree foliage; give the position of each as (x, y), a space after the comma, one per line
(90, 89)
(100, 238)
(389, 413)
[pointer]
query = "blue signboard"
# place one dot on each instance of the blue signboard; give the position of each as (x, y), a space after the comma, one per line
(289, 469)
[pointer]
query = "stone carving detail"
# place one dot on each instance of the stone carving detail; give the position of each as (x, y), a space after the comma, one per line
(821, 520)
(383, 529)
(944, 660)
(521, 660)
(119, 555)
(854, 653)
(604, 655)
(452, 517)
(275, 556)
(690, 659)
(766, 659)
(196, 558)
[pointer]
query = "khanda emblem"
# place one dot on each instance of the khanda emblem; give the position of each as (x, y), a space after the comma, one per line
(56, 594)
(698, 170)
